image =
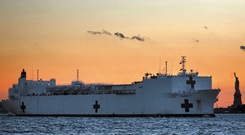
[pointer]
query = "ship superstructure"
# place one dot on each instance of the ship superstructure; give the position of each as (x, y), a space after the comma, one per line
(184, 94)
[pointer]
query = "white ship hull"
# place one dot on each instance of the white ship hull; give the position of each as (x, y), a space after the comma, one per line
(185, 94)
(159, 104)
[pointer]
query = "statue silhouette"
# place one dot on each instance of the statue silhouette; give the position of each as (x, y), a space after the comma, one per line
(237, 95)
(236, 84)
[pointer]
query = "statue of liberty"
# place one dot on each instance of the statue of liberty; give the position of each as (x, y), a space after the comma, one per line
(236, 84)
(237, 96)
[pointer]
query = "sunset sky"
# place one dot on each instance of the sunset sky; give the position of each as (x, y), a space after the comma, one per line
(53, 36)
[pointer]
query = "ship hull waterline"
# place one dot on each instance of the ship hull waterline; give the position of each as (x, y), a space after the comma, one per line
(200, 103)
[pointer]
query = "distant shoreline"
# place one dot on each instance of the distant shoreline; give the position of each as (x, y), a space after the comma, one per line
(230, 110)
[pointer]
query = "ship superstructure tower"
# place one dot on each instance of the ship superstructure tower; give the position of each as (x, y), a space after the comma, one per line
(22, 82)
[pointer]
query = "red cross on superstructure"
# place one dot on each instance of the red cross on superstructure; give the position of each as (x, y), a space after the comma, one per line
(191, 82)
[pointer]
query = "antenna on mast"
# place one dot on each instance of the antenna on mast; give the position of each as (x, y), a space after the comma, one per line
(77, 75)
(159, 66)
(166, 67)
(32, 73)
(37, 74)
(183, 61)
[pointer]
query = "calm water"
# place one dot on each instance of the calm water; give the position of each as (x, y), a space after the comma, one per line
(222, 124)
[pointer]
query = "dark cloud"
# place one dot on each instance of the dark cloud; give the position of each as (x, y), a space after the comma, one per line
(94, 32)
(242, 48)
(99, 32)
(117, 34)
(120, 35)
(139, 38)
(106, 32)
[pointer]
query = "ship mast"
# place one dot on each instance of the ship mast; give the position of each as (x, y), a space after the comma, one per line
(183, 61)
(37, 74)
(77, 75)
(166, 67)
(159, 71)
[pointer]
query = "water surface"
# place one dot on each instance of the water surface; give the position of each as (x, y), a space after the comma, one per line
(222, 124)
